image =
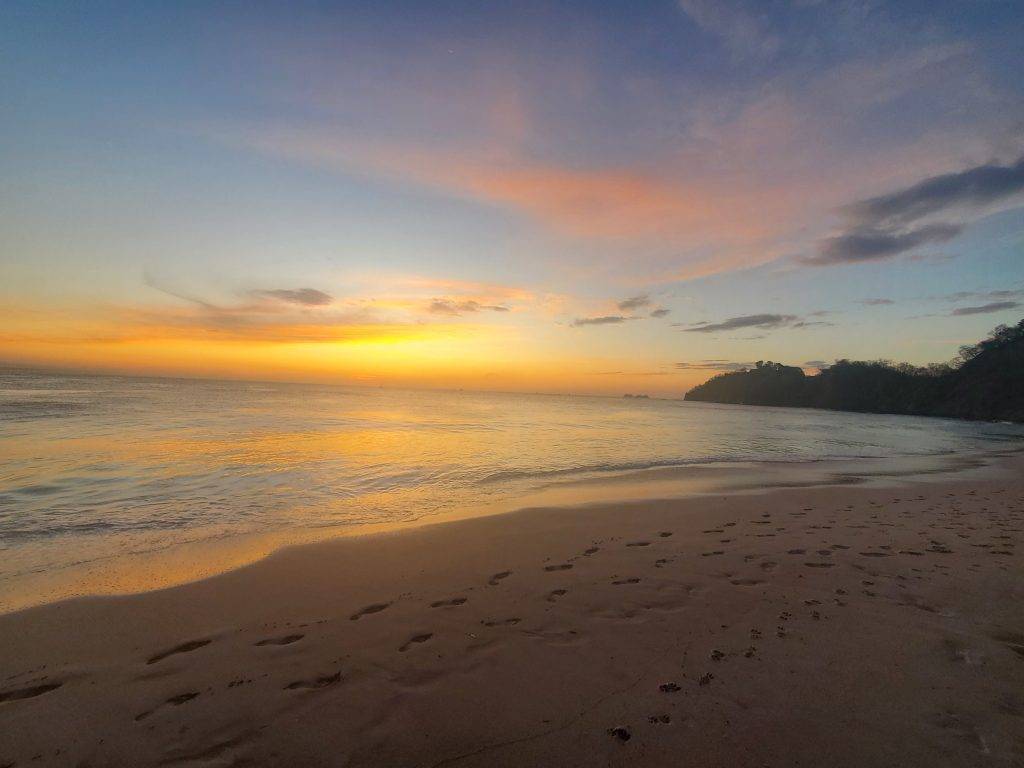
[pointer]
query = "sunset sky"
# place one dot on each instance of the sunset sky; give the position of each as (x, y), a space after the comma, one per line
(562, 197)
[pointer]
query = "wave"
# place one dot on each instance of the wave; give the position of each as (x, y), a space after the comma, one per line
(625, 466)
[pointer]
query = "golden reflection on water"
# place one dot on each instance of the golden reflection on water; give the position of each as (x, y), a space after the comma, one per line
(137, 484)
(133, 573)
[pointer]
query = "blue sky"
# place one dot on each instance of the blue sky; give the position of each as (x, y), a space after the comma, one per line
(481, 189)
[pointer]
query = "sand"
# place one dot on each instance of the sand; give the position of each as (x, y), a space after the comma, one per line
(840, 626)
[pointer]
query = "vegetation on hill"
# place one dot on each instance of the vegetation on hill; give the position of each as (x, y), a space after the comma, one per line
(985, 381)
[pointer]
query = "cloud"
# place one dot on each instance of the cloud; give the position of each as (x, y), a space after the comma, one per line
(984, 309)
(744, 321)
(454, 307)
(714, 365)
(819, 364)
(744, 33)
(877, 302)
(813, 324)
(997, 295)
(603, 320)
(874, 244)
(888, 225)
(635, 302)
(974, 188)
(308, 297)
(660, 312)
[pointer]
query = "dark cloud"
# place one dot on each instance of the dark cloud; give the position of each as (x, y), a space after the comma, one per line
(660, 312)
(308, 297)
(744, 321)
(975, 187)
(877, 302)
(603, 320)
(714, 365)
(819, 364)
(889, 225)
(635, 302)
(997, 295)
(984, 309)
(455, 308)
(812, 324)
(875, 244)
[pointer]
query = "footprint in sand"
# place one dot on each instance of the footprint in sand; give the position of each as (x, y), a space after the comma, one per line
(448, 603)
(665, 534)
(415, 640)
(286, 640)
(746, 582)
(316, 683)
(28, 693)
(375, 608)
(1012, 640)
(626, 581)
(555, 594)
(819, 565)
(502, 622)
(174, 701)
(639, 544)
(498, 577)
(591, 551)
(191, 645)
(962, 728)
(562, 567)
(710, 554)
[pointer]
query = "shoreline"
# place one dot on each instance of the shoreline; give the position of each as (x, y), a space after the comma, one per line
(187, 562)
(855, 624)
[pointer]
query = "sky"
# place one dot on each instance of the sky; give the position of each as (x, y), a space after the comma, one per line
(589, 197)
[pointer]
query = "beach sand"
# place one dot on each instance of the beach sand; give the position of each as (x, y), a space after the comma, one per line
(840, 626)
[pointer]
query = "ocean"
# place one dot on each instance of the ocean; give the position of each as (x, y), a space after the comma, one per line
(112, 484)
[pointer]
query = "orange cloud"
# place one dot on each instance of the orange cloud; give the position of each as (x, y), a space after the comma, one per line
(592, 203)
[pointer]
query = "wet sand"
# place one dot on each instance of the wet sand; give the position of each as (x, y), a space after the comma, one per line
(843, 626)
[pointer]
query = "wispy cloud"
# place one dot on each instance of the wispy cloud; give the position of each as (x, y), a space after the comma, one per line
(812, 324)
(742, 30)
(766, 321)
(309, 297)
(985, 309)
(877, 302)
(714, 365)
(973, 188)
(635, 302)
(660, 312)
(1000, 294)
(601, 320)
(872, 244)
(455, 307)
(892, 224)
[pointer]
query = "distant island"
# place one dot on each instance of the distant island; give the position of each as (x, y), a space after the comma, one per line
(636, 397)
(984, 382)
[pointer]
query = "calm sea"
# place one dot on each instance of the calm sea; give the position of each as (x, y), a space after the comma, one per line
(96, 471)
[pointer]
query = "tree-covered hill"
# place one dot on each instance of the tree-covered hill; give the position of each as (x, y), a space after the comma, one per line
(985, 381)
